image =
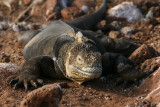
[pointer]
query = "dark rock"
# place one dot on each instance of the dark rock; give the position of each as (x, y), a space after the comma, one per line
(152, 21)
(115, 25)
(144, 5)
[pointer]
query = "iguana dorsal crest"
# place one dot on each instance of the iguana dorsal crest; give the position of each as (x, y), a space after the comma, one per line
(79, 37)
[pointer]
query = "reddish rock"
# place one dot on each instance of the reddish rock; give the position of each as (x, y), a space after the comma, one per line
(105, 26)
(102, 25)
(143, 53)
(128, 30)
(50, 6)
(152, 84)
(114, 34)
(37, 11)
(27, 2)
(54, 15)
(158, 50)
(70, 13)
(158, 20)
(46, 96)
(150, 64)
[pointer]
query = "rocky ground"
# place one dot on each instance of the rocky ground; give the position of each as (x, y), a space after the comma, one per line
(143, 30)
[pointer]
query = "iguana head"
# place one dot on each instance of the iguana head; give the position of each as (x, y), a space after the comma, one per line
(83, 62)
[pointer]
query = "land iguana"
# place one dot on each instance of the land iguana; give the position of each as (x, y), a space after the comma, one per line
(67, 49)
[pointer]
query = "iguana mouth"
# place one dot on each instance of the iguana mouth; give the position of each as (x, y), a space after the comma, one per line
(88, 73)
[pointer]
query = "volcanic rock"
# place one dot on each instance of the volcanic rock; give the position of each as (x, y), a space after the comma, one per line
(152, 84)
(114, 34)
(150, 64)
(48, 96)
(71, 13)
(50, 6)
(143, 53)
(27, 2)
(128, 30)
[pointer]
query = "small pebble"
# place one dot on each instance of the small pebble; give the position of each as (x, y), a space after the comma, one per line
(15, 28)
(128, 30)
(85, 8)
(108, 98)
(3, 25)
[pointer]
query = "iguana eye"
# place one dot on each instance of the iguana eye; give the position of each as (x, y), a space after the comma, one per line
(80, 59)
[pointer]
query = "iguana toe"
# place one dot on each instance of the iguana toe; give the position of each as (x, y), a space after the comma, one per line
(25, 85)
(18, 84)
(13, 81)
(33, 83)
(40, 81)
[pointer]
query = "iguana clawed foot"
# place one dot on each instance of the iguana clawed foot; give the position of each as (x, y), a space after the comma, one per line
(26, 81)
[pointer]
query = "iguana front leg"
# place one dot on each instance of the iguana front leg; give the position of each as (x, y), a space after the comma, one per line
(123, 66)
(32, 70)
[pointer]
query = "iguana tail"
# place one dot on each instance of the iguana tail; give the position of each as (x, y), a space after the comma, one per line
(88, 21)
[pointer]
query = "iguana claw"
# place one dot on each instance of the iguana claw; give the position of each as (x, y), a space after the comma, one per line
(20, 81)
(13, 81)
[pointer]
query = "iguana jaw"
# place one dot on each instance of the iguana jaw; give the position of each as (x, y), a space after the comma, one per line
(84, 74)
(92, 72)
